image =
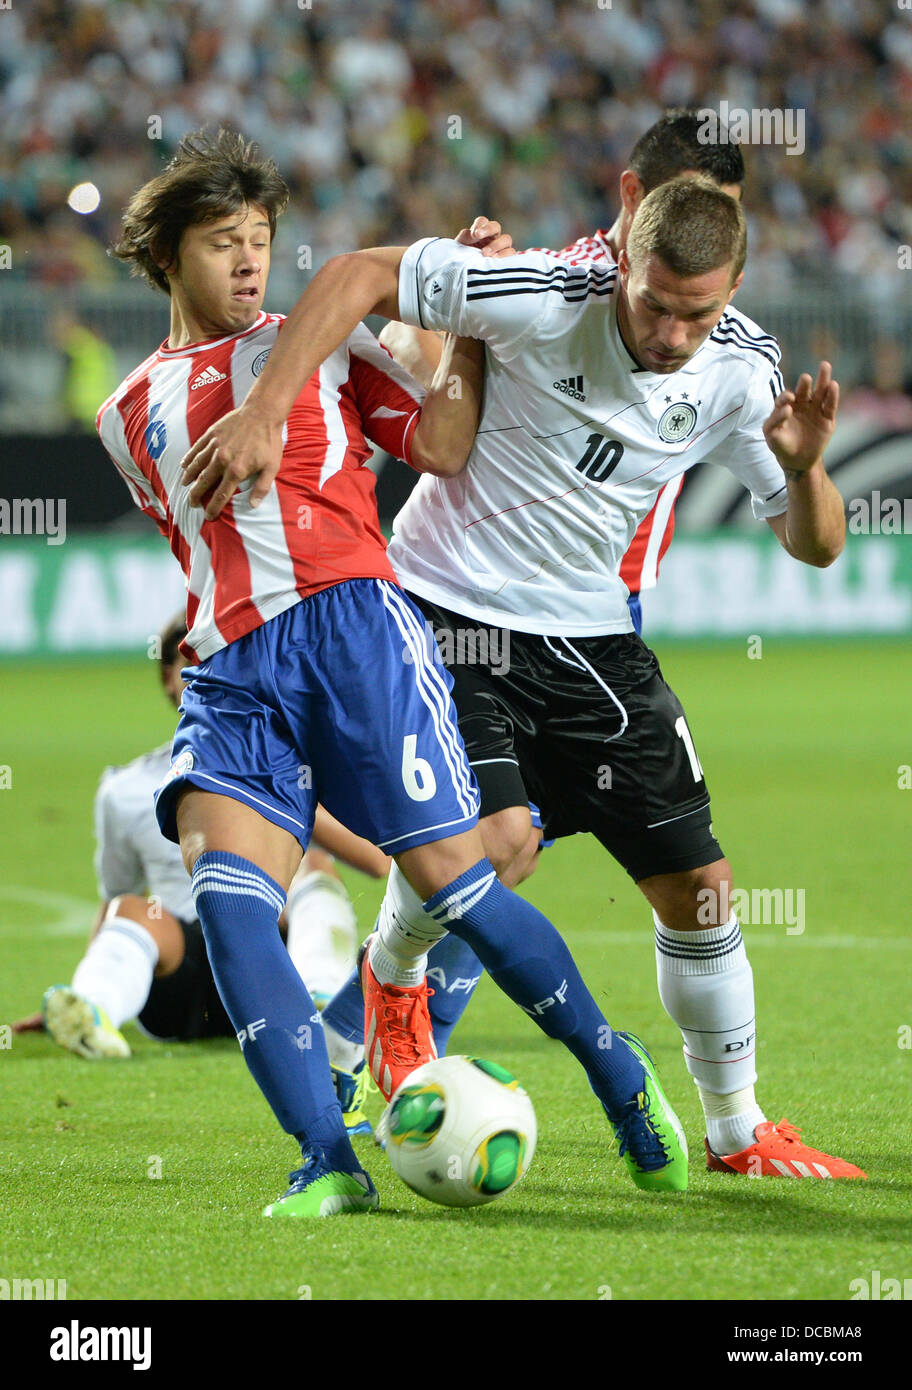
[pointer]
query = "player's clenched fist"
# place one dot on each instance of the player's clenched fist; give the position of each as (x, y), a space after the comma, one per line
(802, 421)
(239, 446)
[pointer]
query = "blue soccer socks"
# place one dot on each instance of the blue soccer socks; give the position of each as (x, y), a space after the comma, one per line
(526, 957)
(277, 1024)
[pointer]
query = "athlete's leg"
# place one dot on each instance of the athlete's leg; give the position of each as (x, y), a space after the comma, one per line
(161, 925)
(512, 844)
(519, 948)
(136, 940)
(320, 926)
(421, 805)
(706, 986)
(241, 865)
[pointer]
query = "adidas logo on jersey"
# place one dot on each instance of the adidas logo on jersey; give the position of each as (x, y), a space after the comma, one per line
(208, 378)
(571, 386)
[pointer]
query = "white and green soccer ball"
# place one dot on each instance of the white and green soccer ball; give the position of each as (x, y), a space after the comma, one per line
(460, 1131)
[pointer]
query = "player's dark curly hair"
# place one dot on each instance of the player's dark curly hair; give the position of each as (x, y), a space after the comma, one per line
(209, 177)
(678, 142)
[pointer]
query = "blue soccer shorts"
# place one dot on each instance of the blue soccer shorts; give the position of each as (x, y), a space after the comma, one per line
(339, 699)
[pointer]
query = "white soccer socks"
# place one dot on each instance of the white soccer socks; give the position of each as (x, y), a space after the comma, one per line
(707, 987)
(322, 933)
(405, 933)
(115, 974)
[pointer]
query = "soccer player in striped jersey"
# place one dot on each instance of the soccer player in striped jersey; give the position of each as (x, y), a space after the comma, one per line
(310, 678)
(529, 540)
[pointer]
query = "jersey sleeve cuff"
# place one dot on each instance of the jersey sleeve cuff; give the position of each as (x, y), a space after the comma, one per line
(774, 505)
(410, 303)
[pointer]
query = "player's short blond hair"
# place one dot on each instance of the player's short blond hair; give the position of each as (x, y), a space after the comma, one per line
(691, 226)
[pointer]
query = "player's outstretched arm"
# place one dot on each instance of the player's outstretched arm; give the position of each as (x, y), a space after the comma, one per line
(248, 441)
(798, 430)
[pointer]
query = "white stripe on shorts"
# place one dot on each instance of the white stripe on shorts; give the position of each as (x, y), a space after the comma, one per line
(434, 694)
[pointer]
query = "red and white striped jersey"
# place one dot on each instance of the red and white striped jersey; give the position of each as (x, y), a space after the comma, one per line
(317, 526)
(640, 566)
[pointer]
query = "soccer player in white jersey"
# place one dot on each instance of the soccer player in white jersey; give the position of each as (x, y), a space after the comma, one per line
(146, 958)
(529, 539)
(670, 147)
(299, 688)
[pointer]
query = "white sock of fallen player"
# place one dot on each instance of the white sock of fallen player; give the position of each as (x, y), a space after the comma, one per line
(322, 933)
(115, 974)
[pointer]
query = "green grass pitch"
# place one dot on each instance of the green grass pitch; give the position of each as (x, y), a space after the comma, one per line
(803, 750)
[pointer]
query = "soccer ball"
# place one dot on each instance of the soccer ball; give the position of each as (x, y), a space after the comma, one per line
(460, 1131)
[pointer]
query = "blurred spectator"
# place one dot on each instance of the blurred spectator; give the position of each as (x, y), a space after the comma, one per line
(391, 117)
(886, 399)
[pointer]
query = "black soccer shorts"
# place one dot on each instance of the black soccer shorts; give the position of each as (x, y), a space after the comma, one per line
(186, 1005)
(587, 729)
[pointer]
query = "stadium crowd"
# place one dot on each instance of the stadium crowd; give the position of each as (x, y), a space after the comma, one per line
(393, 117)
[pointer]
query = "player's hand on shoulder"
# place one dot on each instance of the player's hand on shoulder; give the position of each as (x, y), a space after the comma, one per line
(802, 421)
(239, 446)
(488, 237)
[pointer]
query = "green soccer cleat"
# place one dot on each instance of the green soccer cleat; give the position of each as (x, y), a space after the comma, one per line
(317, 1190)
(652, 1141)
(352, 1089)
(81, 1027)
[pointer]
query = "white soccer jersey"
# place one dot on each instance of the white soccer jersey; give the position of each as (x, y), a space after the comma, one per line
(131, 854)
(574, 442)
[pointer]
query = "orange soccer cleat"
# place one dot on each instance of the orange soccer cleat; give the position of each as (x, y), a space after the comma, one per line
(779, 1153)
(397, 1029)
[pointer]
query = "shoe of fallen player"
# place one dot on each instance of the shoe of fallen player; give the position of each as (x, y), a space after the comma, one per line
(650, 1135)
(316, 1190)
(352, 1088)
(81, 1027)
(397, 1028)
(777, 1152)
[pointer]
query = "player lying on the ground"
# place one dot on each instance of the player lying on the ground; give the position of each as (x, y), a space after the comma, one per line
(146, 957)
(299, 688)
(530, 538)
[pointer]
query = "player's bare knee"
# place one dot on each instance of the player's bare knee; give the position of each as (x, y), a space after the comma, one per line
(131, 906)
(525, 863)
(693, 900)
(161, 925)
(505, 836)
